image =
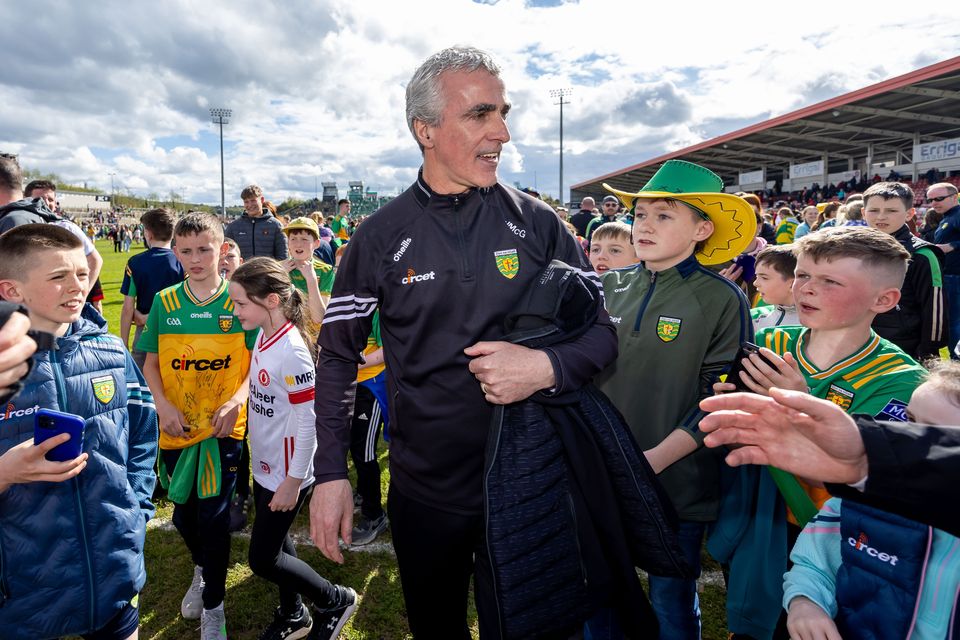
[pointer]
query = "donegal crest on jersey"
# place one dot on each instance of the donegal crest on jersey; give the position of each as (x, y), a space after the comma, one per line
(840, 397)
(668, 328)
(508, 263)
(225, 322)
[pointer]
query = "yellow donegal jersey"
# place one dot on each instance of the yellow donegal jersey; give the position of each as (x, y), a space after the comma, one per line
(204, 357)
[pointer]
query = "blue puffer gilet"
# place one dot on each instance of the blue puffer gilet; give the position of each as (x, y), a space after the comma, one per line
(71, 553)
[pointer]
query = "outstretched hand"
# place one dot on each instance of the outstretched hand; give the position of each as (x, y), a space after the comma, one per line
(790, 430)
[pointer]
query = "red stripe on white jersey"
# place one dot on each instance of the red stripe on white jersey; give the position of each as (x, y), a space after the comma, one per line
(266, 343)
(304, 395)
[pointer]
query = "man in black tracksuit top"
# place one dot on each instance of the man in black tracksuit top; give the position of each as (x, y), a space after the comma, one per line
(444, 271)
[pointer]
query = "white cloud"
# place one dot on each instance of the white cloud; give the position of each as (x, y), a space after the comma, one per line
(317, 86)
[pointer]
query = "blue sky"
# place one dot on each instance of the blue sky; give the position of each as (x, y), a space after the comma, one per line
(316, 87)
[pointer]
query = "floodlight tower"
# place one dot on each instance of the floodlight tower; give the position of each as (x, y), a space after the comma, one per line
(561, 94)
(221, 117)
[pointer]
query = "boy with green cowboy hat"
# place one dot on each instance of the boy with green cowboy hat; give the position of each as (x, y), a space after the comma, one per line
(679, 326)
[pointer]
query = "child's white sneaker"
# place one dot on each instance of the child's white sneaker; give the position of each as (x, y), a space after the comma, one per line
(213, 624)
(192, 603)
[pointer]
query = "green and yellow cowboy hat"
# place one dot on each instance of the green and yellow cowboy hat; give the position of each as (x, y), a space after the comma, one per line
(734, 221)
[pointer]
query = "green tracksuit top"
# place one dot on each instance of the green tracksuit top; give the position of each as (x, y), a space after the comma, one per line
(678, 331)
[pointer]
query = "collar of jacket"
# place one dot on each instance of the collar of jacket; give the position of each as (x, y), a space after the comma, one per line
(428, 197)
(33, 205)
(561, 308)
(684, 269)
(89, 325)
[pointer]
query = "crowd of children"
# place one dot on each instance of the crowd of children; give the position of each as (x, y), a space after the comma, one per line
(223, 356)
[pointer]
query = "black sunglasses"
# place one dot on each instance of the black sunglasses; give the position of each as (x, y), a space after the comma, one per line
(940, 198)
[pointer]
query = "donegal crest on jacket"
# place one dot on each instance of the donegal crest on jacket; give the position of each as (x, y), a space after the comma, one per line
(507, 262)
(668, 328)
(104, 388)
(225, 322)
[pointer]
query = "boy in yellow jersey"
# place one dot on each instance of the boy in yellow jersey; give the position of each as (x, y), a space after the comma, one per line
(844, 277)
(310, 275)
(198, 357)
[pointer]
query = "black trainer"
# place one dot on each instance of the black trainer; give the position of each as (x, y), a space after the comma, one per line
(288, 627)
(367, 530)
(328, 624)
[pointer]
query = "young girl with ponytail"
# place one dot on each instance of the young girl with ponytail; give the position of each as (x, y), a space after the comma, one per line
(282, 444)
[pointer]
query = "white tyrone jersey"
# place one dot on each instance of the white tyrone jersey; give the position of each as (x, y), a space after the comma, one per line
(280, 420)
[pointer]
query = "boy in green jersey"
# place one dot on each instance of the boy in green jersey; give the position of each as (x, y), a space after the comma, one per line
(679, 326)
(845, 276)
(310, 275)
(198, 358)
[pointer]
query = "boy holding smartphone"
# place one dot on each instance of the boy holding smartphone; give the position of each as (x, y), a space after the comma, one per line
(72, 533)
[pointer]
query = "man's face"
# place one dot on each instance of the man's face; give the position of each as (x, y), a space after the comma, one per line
(345, 209)
(886, 215)
(948, 202)
(253, 206)
(54, 289)
(49, 197)
(610, 208)
(463, 151)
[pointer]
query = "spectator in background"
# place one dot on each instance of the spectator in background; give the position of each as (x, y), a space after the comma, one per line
(563, 214)
(827, 216)
(582, 218)
(47, 191)
(257, 232)
(942, 198)
(611, 207)
(767, 231)
(339, 224)
(931, 220)
(854, 215)
(809, 215)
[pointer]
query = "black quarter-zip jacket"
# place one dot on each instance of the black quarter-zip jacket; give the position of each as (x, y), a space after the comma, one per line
(445, 271)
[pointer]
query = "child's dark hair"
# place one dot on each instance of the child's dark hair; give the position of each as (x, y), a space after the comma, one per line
(945, 375)
(160, 223)
(262, 276)
(196, 222)
(890, 191)
(780, 257)
(19, 244)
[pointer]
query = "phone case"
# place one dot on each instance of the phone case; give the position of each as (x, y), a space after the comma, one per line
(49, 423)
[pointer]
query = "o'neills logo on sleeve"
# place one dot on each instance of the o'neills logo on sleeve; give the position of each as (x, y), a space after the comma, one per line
(412, 277)
(403, 247)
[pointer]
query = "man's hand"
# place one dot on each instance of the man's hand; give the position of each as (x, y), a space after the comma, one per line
(139, 319)
(331, 508)
(508, 372)
(782, 373)
(807, 621)
(15, 350)
(172, 421)
(946, 248)
(790, 430)
(225, 418)
(286, 496)
(26, 463)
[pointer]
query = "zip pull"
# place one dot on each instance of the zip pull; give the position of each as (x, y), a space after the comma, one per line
(653, 276)
(456, 202)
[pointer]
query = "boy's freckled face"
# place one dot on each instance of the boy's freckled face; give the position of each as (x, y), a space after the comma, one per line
(885, 215)
(773, 286)
(55, 288)
(302, 244)
(199, 254)
(611, 253)
(833, 294)
(665, 233)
